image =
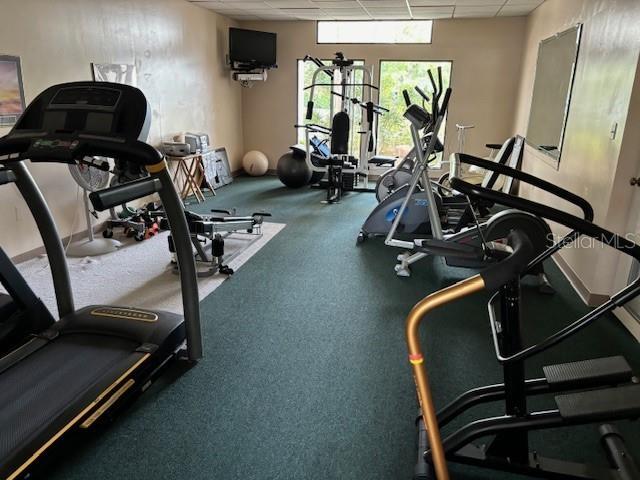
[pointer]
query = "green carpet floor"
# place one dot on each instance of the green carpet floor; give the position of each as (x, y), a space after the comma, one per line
(305, 373)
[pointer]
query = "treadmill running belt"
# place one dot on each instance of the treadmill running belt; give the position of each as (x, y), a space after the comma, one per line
(44, 392)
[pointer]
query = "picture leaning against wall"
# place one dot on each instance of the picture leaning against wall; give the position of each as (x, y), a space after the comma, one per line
(11, 91)
(115, 73)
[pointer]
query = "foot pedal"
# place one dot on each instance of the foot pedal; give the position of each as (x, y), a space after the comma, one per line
(601, 405)
(588, 373)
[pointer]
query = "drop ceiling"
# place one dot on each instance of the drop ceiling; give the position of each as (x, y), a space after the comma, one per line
(367, 9)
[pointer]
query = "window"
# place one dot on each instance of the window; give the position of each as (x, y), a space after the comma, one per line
(394, 136)
(383, 31)
(322, 99)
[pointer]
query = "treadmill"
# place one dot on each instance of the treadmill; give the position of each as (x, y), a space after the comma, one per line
(74, 373)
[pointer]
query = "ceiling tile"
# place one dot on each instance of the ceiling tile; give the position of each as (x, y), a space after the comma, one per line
(365, 9)
(515, 11)
(364, 16)
(432, 13)
(334, 4)
(313, 16)
(383, 3)
(251, 6)
(531, 3)
(373, 10)
(262, 11)
(432, 3)
(209, 5)
(476, 12)
(244, 18)
(218, 6)
(434, 10)
(306, 13)
(390, 16)
(222, 6)
(291, 4)
(344, 11)
(479, 3)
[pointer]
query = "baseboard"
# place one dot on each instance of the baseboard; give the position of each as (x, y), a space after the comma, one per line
(629, 321)
(589, 298)
(242, 173)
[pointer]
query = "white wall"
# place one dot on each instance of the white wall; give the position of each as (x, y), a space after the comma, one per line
(179, 50)
(592, 164)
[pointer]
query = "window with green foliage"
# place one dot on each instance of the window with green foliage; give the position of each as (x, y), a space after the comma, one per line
(322, 99)
(375, 31)
(394, 136)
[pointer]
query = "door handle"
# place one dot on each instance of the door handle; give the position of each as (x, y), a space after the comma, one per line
(635, 181)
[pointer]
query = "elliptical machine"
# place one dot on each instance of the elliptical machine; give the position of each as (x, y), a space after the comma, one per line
(594, 391)
(416, 218)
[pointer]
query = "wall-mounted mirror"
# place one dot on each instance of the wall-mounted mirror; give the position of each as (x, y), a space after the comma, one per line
(555, 69)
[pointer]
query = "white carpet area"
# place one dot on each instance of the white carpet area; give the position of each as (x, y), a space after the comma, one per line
(138, 274)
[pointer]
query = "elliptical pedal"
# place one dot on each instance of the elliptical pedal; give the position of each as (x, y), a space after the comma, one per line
(604, 404)
(588, 373)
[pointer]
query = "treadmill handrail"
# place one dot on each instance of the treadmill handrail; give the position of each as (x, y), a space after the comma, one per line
(52, 130)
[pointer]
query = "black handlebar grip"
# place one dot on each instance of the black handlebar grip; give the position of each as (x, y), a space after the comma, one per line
(121, 194)
(422, 94)
(407, 98)
(445, 101)
(309, 110)
(506, 270)
(370, 112)
(433, 82)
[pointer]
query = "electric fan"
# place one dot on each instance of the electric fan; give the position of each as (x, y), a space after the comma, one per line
(91, 174)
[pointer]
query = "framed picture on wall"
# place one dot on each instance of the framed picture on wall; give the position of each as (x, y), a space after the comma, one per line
(11, 90)
(115, 73)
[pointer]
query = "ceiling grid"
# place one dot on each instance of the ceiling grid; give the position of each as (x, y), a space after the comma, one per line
(367, 9)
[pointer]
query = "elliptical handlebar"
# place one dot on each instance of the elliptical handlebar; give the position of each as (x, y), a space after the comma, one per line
(422, 94)
(445, 101)
(566, 195)
(407, 98)
(582, 226)
(500, 273)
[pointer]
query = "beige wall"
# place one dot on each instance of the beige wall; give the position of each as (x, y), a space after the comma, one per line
(486, 65)
(179, 51)
(592, 165)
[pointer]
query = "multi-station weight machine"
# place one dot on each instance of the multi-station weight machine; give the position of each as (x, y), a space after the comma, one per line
(353, 114)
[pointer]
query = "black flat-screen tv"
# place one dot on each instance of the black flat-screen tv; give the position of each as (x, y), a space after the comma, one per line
(252, 48)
